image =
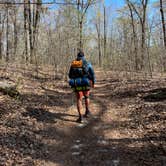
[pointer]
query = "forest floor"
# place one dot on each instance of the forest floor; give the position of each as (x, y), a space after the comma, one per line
(127, 127)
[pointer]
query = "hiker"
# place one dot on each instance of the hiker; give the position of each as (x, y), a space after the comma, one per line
(82, 78)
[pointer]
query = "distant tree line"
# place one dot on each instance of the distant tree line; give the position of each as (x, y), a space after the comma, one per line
(33, 32)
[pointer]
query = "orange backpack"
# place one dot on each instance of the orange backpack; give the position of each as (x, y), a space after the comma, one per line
(79, 69)
(77, 64)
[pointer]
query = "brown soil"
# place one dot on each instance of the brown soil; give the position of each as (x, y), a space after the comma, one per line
(127, 127)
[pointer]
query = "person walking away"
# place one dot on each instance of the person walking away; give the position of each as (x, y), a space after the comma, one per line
(82, 79)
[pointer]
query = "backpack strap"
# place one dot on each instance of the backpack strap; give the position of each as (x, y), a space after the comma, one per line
(86, 68)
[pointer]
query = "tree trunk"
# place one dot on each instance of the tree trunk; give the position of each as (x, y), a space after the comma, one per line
(164, 33)
(80, 23)
(142, 44)
(0, 45)
(2, 22)
(80, 40)
(15, 32)
(36, 21)
(0, 37)
(82, 9)
(25, 32)
(99, 41)
(143, 21)
(105, 35)
(134, 38)
(30, 30)
(78, 11)
(7, 35)
(163, 23)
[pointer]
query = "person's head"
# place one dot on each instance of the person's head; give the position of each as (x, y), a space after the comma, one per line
(80, 54)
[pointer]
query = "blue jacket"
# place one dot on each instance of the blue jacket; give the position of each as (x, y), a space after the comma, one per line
(91, 75)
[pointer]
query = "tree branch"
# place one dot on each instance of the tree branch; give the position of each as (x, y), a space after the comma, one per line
(136, 11)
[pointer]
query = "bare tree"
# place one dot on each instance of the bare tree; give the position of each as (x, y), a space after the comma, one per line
(134, 36)
(98, 29)
(163, 22)
(7, 33)
(105, 31)
(142, 18)
(82, 7)
(2, 24)
(15, 29)
(49, 37)
(26, 30)
(33, 13)
(30, 30)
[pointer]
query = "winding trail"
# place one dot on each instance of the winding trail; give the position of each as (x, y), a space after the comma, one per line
(127, 127)
(88, 143)
(115, 135)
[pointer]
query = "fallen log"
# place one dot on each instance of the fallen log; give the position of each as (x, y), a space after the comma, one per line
(8, 88)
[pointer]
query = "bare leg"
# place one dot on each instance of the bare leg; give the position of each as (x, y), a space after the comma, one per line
(79, 106)
(87, 103)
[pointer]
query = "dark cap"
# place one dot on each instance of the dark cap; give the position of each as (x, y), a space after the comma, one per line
(80, 54)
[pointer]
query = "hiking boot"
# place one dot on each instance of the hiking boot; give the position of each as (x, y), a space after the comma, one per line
(87, 114)
(79, 120)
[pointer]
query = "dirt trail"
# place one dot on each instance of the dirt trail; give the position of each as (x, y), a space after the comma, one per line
(80, 144)
(110, 137)
(127, 127)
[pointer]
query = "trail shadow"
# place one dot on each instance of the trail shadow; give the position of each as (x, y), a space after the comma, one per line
(127, 151)
(59, 147)
(122, 150)
(43, 115)
(112, 90)
(43, 77)
(63, 117)
(28, 145)
(132, 89)
(49, 98)
(155, 95)
(40, 115)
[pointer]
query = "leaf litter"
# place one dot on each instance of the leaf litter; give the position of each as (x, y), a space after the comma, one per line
(127, 127)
